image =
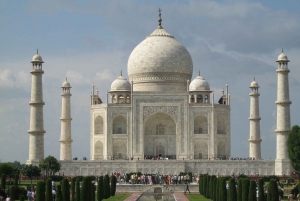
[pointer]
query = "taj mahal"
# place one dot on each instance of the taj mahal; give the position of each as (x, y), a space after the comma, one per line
(163, 112)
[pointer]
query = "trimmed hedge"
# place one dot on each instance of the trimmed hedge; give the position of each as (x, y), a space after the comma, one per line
(252, 191)
(232, 194)
(49, 190)
(273, 191)
(65, 188)
(245, 191)
(77, 190)
(100, 191)
(3, 182)
(40, 191)
(58, 193)
(73, 180)
(22, 198)
(106, 187)
(240, 189)
(261, 193)
(13, 193)
(113, 185)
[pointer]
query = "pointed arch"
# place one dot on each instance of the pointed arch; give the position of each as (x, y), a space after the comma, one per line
(221, 149)
(199, 98)
(119, 125)
(98, 150)
(200, 125)
(200, 150)
(119, 149)
(98, 125)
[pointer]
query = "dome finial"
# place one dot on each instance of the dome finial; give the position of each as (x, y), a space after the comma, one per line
(199, 72)
(66, 79)
(121, 72)
(37, 51)
(254, 78)
(159, 19)
(281, 50)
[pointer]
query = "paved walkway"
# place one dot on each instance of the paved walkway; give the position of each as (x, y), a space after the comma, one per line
(180, 197)
(133, 197)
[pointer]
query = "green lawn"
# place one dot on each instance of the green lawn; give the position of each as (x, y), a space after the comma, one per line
(196, 197)
(118, 197)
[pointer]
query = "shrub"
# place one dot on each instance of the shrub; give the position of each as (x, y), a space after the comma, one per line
(77, 189)
(207, 186)
(113, 185)
(240, 189)
(106, 189)
(58, 193)
(93, 188)
(214, 188)
(3, 182)
(222, 190)
(252, 191)
(22, 198)
(13, 193)
(73, 180)
(245, 191)
(261, 193)
(232, 194)
(217, 189)
(56, 178)
(85, 189)
(65, 188)
(49, 190)
(16, 182)
(40, 191)
(268, 178)
(100, 189)
(272, 191)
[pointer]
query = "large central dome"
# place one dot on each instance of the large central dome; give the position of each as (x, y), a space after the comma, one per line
(160, 63)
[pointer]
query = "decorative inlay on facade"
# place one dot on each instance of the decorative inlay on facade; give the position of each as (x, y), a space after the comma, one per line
(171, 110)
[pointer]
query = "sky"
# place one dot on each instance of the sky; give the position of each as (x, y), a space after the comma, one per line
(89, 41)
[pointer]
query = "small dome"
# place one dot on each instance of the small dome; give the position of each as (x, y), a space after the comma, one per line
(254, 84)
(37, 58)
(120, 84)
(66, 84)
(199, 84)
(282, 57)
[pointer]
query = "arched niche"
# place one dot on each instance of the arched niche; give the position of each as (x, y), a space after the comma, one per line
(160, 131)
(98, 125)
(119, 125)
(221, 128)
(98, 150)
(221, 149)
(199, 98)
(200, 150)
(200, 125)
(119, 149)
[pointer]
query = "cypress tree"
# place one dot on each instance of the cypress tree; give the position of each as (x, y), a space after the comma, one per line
(88, 187)
(214, 188)
(16, 182)
(49, 190)
(77, 190)
(245, 191)
(211, 184)
(205, 185)
(3, 182)
(40, 191)
(217, 189)
(232, 194)
(223, 190)
(58, 193)
(92, 190)
(73, 180)
(84, 190)
(202, 184)
(106, 189)
(113, 185)
(100, 189)
(252, 191)
(199, 183)
(65, 190)
(13, 193)
(273, 191)
(22, 198)
(261, 195)
(240, 189)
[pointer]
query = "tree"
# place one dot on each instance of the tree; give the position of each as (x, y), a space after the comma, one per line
(252, 191)
(245, 191)
(65, 190)
(3, 182)
(113, 185)
(50, 165)
(40, 191)
(49, 190)
(223, 190)
(73, 180)
(58, 193)
(16, 182)
(31, 171)
(6, 169)
(240, 189)
(261, 195)
(106, 189)
(232, 194)
(273, 191)
(77, 189)
(84, 190)
(293, 144)
(13, 193)
(100, 189)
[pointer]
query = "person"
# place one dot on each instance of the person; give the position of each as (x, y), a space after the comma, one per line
(33, 195)
(187, 188)
(53, 194)
(8, 198)
(290, 197)
(298, 197)
(29, 194)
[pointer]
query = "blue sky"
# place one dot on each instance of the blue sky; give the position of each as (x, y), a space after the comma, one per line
(90, 41)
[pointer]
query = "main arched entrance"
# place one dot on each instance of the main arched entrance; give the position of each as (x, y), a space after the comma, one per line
(160, 136)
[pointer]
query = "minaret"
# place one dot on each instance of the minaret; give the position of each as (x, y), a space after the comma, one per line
(65, 136)
(283, 126)
(254, 141)
(36, 130)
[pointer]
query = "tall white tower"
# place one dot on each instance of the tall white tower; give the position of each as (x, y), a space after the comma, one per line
(282, 162)
(254, 141)
(65, 136)
(36, 130)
